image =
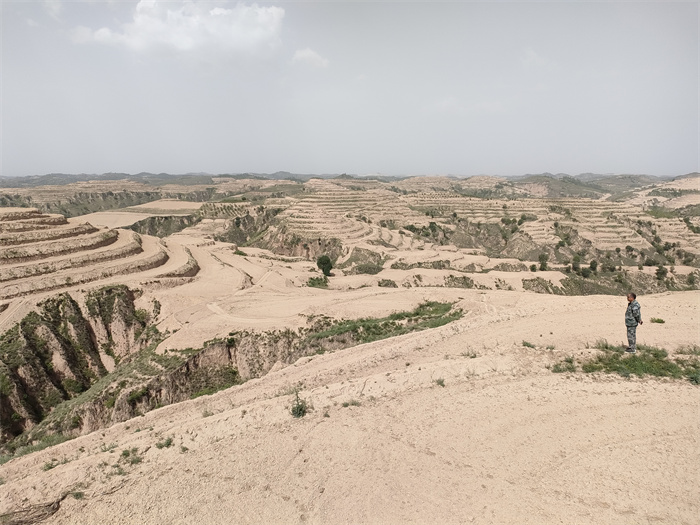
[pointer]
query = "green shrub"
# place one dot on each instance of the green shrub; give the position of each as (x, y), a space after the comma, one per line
(165, 443)
(387, 283)
(528, 344)
(299, 406)
(657, 320)
(661, 272)
(351, 403)
(648, 360)
(325, 265)
(439, 381)
(368, 269)
(567, 365)
(318, 282)
(137, 395)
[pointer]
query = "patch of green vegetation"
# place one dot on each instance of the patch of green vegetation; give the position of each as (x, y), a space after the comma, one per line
(387, 283)
(567, 365)
(165, 443)
(459, 281)
(131, 456)
(433, 231)
(689, 350)
(659, 212)
(43, 443)
(648, 361)
(439, 382)
(300, 407)
(317, 282)
(368, 269)
(691, 226)
(657, 320)
(325, 264)
(432, 265)
(137, 395)
(351, 403)
(430, 314)
(206, 382)
(527, 344)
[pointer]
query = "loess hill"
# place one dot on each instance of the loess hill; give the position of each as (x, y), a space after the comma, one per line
(143, 298)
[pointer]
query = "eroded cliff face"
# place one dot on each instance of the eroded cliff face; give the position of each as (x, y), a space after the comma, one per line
(281, 241)
(81, 363)
(60, 350)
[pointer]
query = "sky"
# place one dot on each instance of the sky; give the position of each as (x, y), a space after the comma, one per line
(393, 88)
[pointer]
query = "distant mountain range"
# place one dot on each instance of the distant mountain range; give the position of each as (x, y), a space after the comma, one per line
(157, 179)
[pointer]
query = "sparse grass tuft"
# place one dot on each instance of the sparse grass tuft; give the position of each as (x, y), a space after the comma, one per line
(528, 344)
(300, 406)
(131, 456)
(165, 443)
(351, 403)
(50, 464)
(108, 448)
(649, 360)
(689, 350)
(602, 344)
(78, 495)
(657, 320)
(567, 365)
(46, 442)
(439, 382)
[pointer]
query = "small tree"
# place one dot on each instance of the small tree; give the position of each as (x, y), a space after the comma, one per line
(594, 265)
(576, 265)
(661, 272)
(325, 265)
(543, 261)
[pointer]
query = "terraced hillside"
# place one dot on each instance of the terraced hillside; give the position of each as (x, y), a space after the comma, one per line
(442, 296)
(42, 252)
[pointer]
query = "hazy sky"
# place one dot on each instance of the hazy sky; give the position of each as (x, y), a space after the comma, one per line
(461, 88)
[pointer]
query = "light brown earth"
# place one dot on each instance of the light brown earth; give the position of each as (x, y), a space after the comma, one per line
(504, 441)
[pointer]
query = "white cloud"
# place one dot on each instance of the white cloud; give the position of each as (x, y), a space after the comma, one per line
(310, 57)
(190, 26)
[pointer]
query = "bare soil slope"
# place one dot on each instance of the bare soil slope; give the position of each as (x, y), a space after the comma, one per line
(505, 440)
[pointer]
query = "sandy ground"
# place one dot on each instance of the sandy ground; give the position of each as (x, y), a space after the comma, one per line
(169, 204)
(504, 441)
(111, 219)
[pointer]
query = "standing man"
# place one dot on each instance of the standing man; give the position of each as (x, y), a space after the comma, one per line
(633, 317)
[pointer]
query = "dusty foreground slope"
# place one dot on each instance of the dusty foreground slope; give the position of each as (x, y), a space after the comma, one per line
(504, 441)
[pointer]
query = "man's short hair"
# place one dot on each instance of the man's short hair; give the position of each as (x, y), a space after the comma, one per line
(634, 295)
